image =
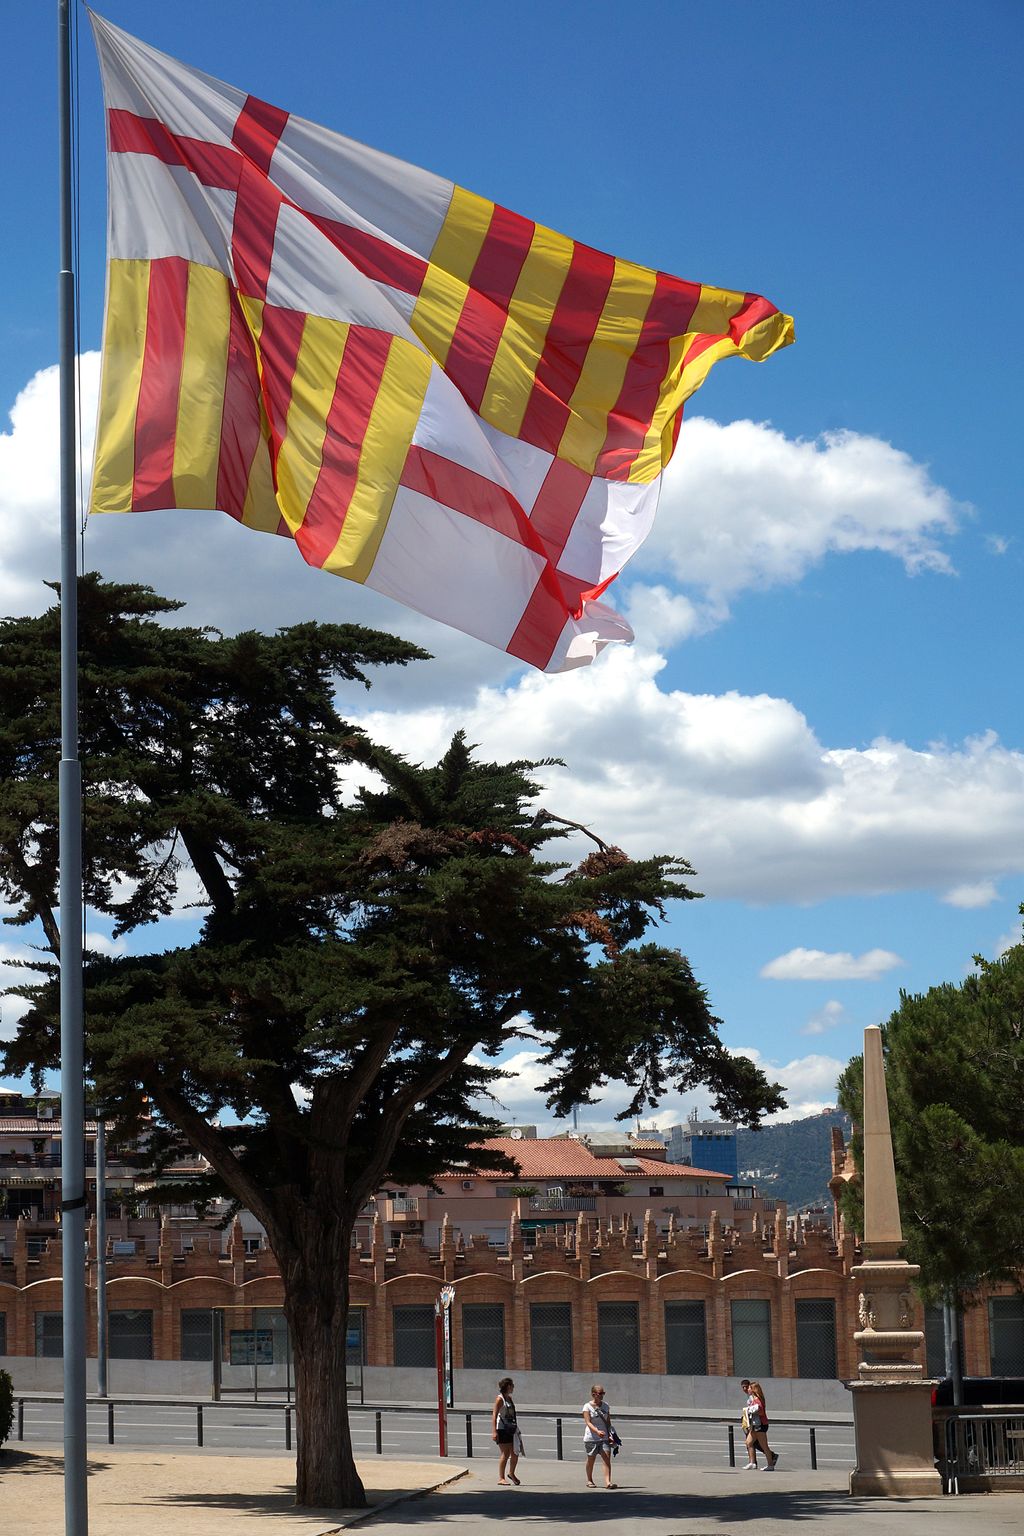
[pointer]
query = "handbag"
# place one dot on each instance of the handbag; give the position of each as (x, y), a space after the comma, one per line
(517, 1442)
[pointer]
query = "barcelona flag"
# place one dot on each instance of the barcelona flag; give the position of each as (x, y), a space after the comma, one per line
(426, 392)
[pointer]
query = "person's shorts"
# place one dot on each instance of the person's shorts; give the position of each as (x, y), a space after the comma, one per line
(590, 1446)
(505, 1436)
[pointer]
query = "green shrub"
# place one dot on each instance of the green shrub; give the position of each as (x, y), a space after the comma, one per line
(6, 1405)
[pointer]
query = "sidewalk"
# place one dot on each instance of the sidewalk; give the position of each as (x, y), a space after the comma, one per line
(208, 1494)
(196, 1494)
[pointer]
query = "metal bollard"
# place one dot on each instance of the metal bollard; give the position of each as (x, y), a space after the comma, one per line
(379, 1432)
(288, 1428)
(21, 1418)
(199, 1424)
(469, 1436)
(558, 1440)
(814, 1451)
(732, 1446)
(110, 1423)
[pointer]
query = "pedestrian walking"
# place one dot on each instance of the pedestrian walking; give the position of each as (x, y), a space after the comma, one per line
(597, 1435)
(505, 1432)
(755, 1428)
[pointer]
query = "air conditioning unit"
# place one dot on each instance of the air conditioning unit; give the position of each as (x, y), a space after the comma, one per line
(467, 1183)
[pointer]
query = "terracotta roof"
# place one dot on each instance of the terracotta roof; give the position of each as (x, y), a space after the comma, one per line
(566, 1158)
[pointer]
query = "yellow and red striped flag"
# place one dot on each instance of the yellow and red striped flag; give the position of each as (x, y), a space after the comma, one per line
(429, 393)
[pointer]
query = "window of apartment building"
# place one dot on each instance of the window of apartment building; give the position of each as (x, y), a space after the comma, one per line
(50, 1335)
(816, 1337)
(1006, 1335)
(197, 1333)
(686, 1347)
(656, 1189)
(618, 1336)
(414, 1335)
(3, 1333)
(752, 1339)
(483, 1336)
(130, 1335)
(355, 1340)
(550, 1336)
(934, 1342)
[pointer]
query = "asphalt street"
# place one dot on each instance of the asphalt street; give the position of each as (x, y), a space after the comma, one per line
(670, 1500)
(409, 1435)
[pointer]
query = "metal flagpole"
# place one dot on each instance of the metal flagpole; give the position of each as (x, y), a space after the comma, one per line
(76, 1511)
(101, 1257)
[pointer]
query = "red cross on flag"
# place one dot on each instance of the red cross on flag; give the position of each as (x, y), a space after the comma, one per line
(428, 393)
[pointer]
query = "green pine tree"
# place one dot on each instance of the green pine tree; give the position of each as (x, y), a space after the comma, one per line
(954, 1059)
(364, 956)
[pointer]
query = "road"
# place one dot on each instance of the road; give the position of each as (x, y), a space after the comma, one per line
(412, 1435)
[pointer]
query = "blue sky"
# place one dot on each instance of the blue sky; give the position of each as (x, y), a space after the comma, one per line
(822, 708)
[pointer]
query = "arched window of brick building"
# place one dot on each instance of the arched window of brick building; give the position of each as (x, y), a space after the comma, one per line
(752, 1339)
(483, 1336)
(414, 1335)
(618, 1337)
(550, 1336)
(686, 1344)
(1006, 1333)
(816, 1338)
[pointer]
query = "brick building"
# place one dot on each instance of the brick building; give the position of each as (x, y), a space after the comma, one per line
(590, 1292)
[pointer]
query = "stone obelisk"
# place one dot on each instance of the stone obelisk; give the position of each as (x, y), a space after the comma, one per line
(891, 1399)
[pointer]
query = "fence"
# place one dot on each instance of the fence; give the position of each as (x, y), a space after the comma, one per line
(979, 1449)
(460, 1423)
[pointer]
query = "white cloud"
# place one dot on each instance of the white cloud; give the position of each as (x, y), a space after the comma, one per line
(981, 894)
(744, 506)
(809, 1083)
(829, 1016)
(1010, 940)
(663, 618)
(817, 965)
(12, 975)
(740, 784)
(996, 544)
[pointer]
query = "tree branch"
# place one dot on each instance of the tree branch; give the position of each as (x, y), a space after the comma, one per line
(210, 1142)
(400, 1109)
(39, 898)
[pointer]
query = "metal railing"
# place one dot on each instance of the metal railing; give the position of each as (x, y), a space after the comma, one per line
(563, 1202)
(979, 1446)
(207, 1414)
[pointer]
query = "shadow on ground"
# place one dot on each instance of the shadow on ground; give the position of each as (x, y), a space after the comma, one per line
(709, 1513)
(27, 1463)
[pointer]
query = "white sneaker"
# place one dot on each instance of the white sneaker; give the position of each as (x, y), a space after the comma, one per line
(751, 1466)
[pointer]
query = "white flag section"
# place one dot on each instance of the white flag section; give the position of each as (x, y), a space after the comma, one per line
(428, 393)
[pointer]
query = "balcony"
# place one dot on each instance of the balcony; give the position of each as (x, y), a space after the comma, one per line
(572, 1203)
(403, 1205)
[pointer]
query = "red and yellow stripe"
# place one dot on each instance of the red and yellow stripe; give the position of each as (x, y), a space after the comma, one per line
(290, 422)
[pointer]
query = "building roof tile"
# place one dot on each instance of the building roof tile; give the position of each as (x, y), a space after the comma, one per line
(567, 1158)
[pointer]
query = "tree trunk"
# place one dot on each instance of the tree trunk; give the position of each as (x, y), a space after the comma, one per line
(316, 1305)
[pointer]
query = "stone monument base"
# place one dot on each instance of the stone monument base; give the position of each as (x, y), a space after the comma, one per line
(893, 1425)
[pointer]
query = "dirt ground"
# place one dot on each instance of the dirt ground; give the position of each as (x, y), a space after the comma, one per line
(182, 1495)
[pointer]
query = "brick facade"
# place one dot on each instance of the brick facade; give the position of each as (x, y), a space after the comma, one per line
(593, 1262)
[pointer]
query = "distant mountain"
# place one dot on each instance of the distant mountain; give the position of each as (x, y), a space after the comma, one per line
(792, 1162)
